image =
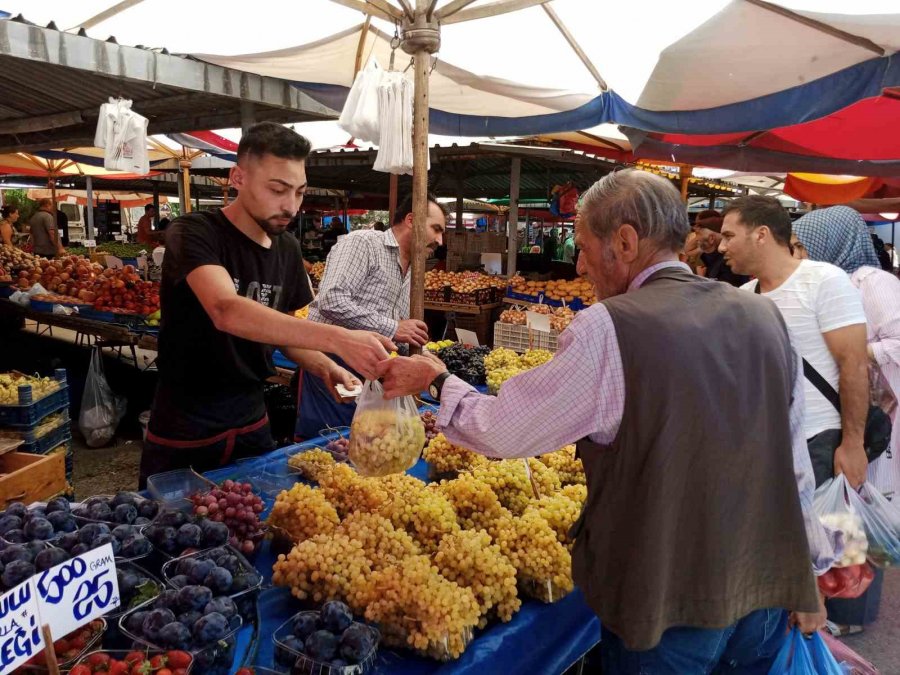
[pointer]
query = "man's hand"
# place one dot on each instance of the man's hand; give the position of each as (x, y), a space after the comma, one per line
(405, 376)
(363, 351)
(335, 375)
(851, 461)
(412, 332)
(809, 623)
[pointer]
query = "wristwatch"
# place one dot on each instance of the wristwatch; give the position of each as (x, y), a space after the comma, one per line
(434, 389)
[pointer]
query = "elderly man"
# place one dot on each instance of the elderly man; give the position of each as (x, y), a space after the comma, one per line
(695, 541)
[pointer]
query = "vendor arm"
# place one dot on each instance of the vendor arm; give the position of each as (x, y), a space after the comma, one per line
(579, 393)
(245, 318)
(346, 274)
(318, 364)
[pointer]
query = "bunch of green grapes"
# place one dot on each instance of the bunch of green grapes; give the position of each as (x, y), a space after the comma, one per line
(501, 357)
(349, 492)
(425, 514)
(303, 512)
(496, 378)
(509, 481)
(384, 442)
(475, 503)
(560, 512)
(10, 382)
(324, 568)
(577, 493)
(383, 544)
(534, 358)
(444, 457)
(312, 463)
(415, 607)
(472, 561)
(545, 478)
(543, 565)
(567, 466)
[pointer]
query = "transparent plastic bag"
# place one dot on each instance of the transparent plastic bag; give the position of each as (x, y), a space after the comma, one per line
(386, 436)
(850, 662)
(360, 115)
(881, 520)
(101, 408)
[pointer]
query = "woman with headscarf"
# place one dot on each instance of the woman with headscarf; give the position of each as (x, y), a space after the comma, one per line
(838, 235)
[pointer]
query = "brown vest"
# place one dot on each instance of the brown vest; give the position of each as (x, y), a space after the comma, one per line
(693, 516)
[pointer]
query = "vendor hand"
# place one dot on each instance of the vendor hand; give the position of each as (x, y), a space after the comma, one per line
(363, 351)
(335, 375)
(412, 332)
(851, 461)
(405, 376)
(807, 622)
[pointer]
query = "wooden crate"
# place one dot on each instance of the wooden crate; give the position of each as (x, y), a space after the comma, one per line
(29, 478)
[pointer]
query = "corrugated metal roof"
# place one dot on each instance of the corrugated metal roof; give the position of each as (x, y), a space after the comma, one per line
(52, 84)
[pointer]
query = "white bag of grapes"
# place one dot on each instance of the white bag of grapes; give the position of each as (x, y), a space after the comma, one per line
(386, 436)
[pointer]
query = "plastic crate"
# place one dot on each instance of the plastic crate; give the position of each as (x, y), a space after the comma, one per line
(516, 337)
(173, 488)
(28, 412)
(59, 435)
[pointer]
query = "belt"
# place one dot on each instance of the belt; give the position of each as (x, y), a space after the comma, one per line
(229, 436)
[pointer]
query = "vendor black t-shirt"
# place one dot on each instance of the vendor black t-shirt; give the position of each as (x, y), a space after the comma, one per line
(211, 381)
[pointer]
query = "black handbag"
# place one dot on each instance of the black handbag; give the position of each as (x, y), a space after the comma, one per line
(876, 438)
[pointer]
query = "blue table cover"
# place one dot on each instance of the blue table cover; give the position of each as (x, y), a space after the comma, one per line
(541, 638)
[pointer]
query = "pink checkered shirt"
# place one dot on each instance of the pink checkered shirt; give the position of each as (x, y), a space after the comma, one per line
(581, 393)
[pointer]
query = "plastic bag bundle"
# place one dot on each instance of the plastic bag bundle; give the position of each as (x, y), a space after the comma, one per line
(122, 133)
(804, 656)
(395, 112)
(881, 520)
(101, 408)
(850, 662)
(359, 117)
(386, 436)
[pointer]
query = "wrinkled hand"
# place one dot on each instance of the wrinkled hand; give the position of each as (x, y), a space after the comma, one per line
(336, 375)
(412, 332)
(851, 461)
(405, 376)
(363, 350)
(809, 623)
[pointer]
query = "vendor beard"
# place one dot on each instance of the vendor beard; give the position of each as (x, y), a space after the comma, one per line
(272, 227)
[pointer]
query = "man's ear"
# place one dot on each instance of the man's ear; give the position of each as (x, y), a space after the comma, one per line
(626, 241)
(236, 177)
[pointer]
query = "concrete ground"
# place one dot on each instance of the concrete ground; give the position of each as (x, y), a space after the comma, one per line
(113, 468)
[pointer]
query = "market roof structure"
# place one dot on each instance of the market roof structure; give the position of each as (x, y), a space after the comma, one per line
(52, 84)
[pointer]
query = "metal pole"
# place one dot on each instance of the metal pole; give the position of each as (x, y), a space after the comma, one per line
(89, 187)
(512, 225)
(420, 187)
(459, 203)
(156, 204)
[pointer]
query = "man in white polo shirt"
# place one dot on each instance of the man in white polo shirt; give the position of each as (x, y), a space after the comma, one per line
(824, 313)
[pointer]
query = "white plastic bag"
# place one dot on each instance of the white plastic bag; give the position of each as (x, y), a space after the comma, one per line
(101, 408)
(359, 117)
(386, 436)
(395, 111)
(881, 520)
(834, 508)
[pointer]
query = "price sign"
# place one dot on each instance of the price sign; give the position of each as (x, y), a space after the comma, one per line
(539, 322)
(121, 237)
(77, 591)
(89, 243)
(114, 263)
(20, 627)
(467, 337)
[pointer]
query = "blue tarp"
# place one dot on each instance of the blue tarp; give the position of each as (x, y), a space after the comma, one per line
(541, 638)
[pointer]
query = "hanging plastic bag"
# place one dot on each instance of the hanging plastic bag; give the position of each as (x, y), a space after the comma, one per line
(851, 575)
(386, 436)
(822, 659)
(881, 519)
(101, 408)
(850, 662)
(793, 658)
(359, 116)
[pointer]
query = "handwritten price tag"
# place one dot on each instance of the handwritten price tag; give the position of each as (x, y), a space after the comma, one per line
(538, 322)
(467, 337)
(78, 590)
(89, 243)
(114, 263)
(20, 627)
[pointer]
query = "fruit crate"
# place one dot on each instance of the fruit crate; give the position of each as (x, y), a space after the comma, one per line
(437, 294)
(59, 435)
(96, 629)
(173, 489)
(28, 412)
(122, 656)
(517, 338)
(29, 478)
(298, 662)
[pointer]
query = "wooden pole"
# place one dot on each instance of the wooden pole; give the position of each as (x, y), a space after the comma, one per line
(49, 651)
(420, 186)
(685, 172)
(392, 199)
(89, 208)
(460, 203)
(186, 186)
(512, 221)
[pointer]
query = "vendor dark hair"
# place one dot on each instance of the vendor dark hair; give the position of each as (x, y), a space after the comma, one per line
(269, 138)
(756, 211)
(649, 203)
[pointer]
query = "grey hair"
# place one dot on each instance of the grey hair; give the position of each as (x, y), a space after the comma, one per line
(647, 202)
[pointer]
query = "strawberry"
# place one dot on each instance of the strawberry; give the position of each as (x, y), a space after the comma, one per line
(81, 669)
(134, 657)
(178, 659)
(98, 659)
(157, 662)
(118, 668)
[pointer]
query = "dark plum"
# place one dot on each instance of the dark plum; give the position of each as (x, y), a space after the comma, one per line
(194, 597)
(305, 625)
(9, 522)
(16, 572)
(59, 504)
(356, 643)
(336, 617)
(50, 557)
(223, 605)
(210, 628)
(175, 635)
(321, 645)
(219, 580)
(125, 513)
(154, 623)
